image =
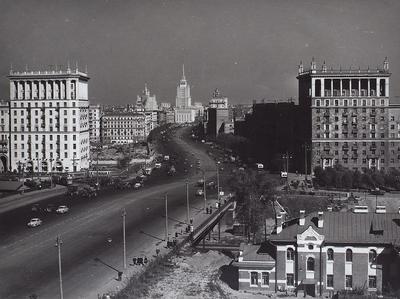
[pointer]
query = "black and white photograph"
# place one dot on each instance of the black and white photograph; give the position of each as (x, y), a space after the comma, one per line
(211, 149)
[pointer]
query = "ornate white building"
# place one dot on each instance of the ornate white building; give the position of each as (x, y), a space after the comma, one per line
(49, 121)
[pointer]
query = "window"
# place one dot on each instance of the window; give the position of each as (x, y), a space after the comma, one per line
(290, 254)
(329, 281)
(290, 279)
(372, 282)
(349, 255)
(265, 278)
(330, 254)
(349, 281)
(310, 264)
(372, 256)
(254, 278)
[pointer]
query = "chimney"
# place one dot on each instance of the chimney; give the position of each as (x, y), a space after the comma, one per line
(279, 223)
(320, 219)
(302, 219)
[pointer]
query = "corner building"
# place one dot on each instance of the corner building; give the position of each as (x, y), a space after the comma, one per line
(323, 253)
(49, 116)
(346, 116)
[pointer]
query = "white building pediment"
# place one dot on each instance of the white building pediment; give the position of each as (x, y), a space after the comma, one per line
(310, 236)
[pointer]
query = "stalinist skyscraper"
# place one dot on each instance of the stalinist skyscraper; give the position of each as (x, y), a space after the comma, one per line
(183, 99)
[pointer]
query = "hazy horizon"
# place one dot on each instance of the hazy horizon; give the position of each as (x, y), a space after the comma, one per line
(249, 50)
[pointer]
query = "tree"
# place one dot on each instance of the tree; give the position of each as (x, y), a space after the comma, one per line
(254, 191)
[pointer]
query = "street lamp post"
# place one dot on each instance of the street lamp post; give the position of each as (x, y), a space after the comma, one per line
(287, 156)
(218, 184)
(306, 148)
(166, 218)
(187, 203)
(124, 235)
(204, 191)
(58, 245)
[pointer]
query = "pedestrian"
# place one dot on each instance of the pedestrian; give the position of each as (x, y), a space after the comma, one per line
(207, 210)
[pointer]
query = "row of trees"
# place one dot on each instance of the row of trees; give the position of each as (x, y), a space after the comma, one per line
(340, 177)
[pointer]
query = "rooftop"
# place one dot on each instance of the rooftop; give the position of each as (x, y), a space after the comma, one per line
(347, 227)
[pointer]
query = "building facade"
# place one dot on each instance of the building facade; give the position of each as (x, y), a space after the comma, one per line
(218, 115)
(4, 135)
(122, 128)
(346, 117)
(323, 253)
(49, 121)
(94, 122)
(146, 101)
(183, 98)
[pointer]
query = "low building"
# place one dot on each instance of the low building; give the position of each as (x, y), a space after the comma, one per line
(323, 253)
(126, 127)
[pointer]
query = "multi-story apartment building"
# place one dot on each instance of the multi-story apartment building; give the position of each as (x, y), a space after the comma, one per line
(4, 135)
(94, 122)
(125, 127)
(346, 117)
(323, 253)
(49, 121)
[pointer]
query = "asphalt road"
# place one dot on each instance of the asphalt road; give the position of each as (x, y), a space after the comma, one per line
(29, 260)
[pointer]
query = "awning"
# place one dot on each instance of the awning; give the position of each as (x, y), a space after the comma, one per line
(308, 281)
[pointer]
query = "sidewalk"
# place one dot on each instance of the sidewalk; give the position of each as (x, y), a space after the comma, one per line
(199, 217)
(19, 200)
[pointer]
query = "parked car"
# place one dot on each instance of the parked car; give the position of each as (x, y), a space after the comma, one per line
(62, 210)
(137, 185)
(157, 165)
(377, 191)
(34, 222)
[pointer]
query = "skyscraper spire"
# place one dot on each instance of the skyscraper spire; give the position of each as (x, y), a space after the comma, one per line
(183, 72)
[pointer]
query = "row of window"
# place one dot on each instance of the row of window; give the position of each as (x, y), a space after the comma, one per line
(346, 135)
(353, 102)
(65, 104)
(349, 281)
(290, 256)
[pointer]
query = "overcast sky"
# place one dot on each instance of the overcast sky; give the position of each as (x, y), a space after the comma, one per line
(248, 49)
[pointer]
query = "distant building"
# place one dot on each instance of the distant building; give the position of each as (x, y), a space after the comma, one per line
(165, 106)
(323, 253)
(218, 116)
(49, 121)
(273, 133)
(184, 112)
(128, 127)
(166, 117)
(183, 98)
(145, 101)
(94, 123)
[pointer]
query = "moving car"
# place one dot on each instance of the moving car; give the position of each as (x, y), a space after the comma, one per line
(62, 209)
(137, 185)
(199, 192)
(157, 165)
(50, 208)
(284, 174)
(34, 222)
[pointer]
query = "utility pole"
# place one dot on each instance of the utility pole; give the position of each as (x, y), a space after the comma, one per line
(166, 218)
(58, 245)
(187, 203)
(124, 235)
(204, 191)
(218, 184)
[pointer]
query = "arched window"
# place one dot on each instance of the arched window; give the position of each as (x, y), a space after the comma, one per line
(349, 255)
(330, 254)
(372, 256)
(310, 264)
(290, 254)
